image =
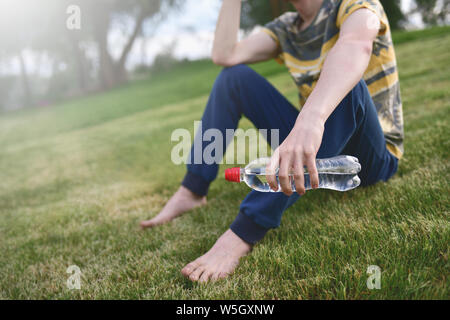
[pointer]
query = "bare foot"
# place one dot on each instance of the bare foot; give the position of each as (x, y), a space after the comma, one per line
(220, 260)
(183, 200)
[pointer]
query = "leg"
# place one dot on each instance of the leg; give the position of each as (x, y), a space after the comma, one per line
(182, 201)
(237, 91)
(353, 129)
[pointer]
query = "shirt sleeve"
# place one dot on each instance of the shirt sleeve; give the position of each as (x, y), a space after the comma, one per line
(273, 28)
(276, 29)
(269, 31)
(349, 6)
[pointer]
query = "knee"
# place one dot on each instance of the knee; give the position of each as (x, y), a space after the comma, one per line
(362, 89)
(357, 100)
(361, 93)
(230, 77)
(239, 69)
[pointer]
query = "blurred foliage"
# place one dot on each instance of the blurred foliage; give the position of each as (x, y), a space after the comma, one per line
(35, 42)
(393, 12)
(431, 12)
(30, 30)
(259, 12)
(6, 83)
(400, 37)
(163, 62)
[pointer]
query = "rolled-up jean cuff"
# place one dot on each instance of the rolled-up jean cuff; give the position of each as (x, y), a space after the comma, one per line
(248, 230)
(196, 184)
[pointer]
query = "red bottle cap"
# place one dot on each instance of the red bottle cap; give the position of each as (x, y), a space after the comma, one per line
(233, 174)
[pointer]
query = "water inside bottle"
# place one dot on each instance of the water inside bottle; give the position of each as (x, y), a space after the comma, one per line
(333, 181)
(338, 173)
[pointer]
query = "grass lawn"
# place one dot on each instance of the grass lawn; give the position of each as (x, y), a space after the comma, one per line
(76, 179)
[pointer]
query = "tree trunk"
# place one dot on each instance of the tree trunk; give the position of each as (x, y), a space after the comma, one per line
(284, 6)
(28, 100)
(106, 67)
(113, 73)
(121, 73)
(80, 61)
(275, 8)
(278, 7)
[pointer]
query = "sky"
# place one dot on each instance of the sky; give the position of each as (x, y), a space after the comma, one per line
(190, 31)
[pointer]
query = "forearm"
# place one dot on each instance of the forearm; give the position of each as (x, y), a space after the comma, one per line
(343, 68)
(227, 28)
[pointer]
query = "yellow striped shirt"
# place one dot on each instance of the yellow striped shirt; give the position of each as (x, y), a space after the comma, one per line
(304, 52)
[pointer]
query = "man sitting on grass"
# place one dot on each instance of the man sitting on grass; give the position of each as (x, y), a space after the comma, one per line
(341, 57)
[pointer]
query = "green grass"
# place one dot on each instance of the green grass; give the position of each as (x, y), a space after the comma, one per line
(76, 178)
(402, 37)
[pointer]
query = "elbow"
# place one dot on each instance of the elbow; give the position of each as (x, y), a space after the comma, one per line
(221, 61)
(217, 60)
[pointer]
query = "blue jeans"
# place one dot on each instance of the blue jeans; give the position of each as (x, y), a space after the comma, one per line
(352, 129)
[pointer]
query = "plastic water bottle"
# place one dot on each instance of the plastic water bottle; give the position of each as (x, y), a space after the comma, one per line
(338, 173)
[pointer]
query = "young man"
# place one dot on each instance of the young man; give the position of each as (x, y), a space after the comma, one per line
(340, 55)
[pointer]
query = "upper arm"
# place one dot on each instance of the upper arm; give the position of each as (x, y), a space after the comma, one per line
(362, 26)
(255, 48)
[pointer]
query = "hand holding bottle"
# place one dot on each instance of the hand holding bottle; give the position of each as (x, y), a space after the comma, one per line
(299, 149)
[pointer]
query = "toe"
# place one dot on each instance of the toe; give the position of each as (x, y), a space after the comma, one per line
(222, 275)
(215, 276)
(196, 274)
(206, 275)
(147, 224)
(188, 269)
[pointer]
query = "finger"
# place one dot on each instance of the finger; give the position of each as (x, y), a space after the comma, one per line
(271, 170)
(312, 170)
(299, 176)
(283, 175)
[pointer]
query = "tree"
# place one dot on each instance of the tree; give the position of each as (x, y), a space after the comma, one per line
(393, 12)
(61, 43)
(103, 13)
(98, 19)
(82, 58)
(259, 12)
(432, 11)
(16, 41)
